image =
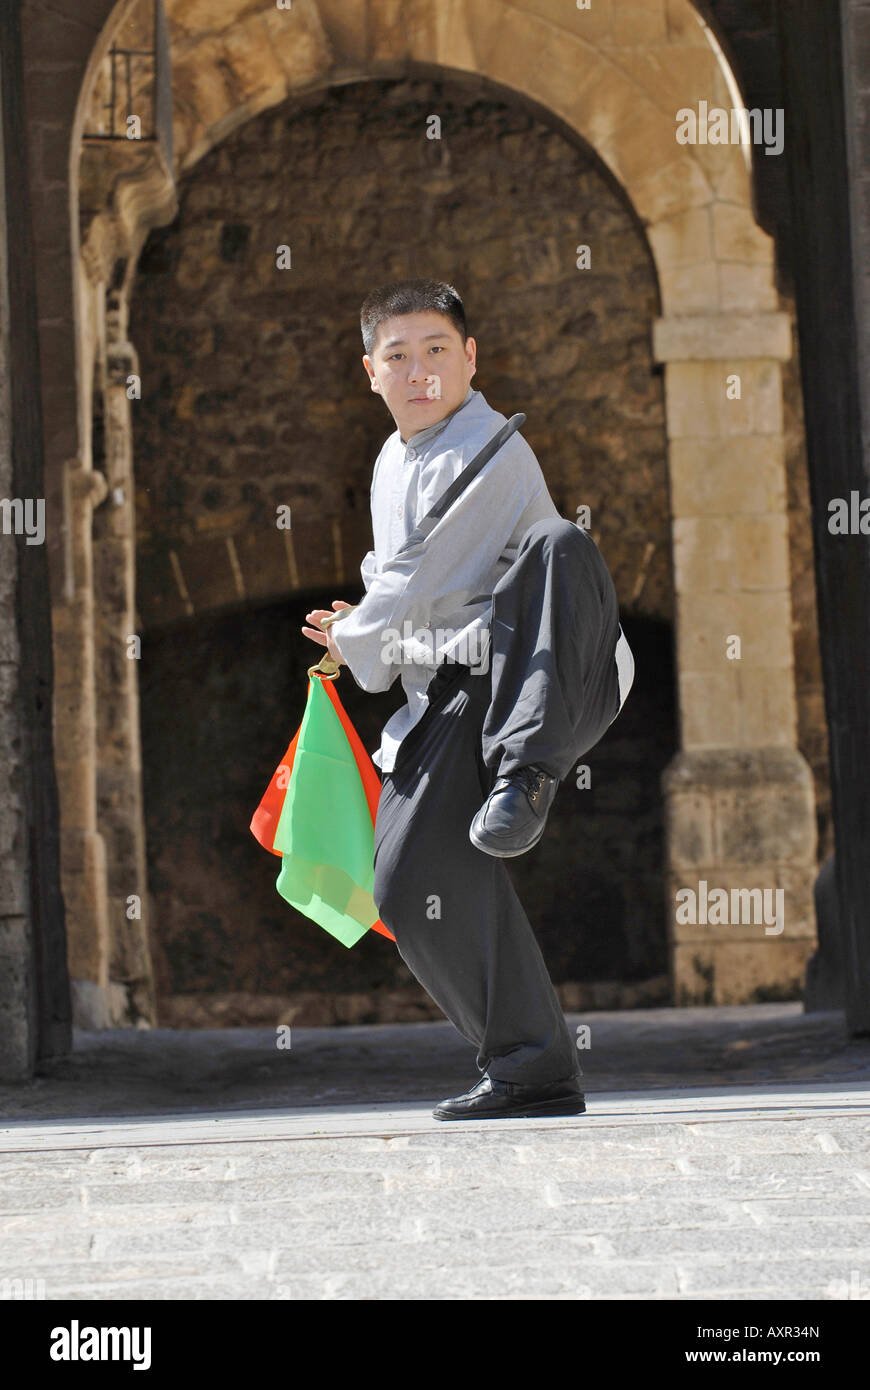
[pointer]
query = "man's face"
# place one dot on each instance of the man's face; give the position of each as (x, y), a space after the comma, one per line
(421, 367)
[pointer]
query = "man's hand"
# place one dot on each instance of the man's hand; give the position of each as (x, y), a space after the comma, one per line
(325, 638)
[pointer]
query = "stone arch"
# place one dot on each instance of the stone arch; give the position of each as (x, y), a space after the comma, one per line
(219, 339)
(739, 795)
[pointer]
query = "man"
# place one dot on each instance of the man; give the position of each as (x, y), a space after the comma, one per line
(504, 626)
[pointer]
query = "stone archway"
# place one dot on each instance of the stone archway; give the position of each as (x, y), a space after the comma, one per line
(251, 398)
(740, 805)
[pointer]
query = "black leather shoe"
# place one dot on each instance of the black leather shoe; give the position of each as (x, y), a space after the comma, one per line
(514, 816)
(491, 1099)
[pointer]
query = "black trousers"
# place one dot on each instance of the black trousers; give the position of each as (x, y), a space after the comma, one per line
(550, 692)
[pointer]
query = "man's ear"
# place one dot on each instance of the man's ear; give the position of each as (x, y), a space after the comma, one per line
(367, 363)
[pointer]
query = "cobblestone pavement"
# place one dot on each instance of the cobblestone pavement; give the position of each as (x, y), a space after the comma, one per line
(732, 1162)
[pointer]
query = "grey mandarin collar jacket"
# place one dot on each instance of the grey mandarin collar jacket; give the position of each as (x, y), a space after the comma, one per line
(442, 589)
(435, 601)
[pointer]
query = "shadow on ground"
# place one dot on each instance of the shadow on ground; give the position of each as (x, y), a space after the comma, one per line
(148, 1071)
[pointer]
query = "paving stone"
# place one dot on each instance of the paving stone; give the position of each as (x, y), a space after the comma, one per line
(838, 1211)
(67, 1270)
(16, 1250)
(37, 1197)
(697, 1246)
(181, 1288)
(732, 1194)
(72, 1219)
(130, 1191)
(785, 1276)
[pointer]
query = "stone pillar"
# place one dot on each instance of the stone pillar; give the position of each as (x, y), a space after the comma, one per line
(119, 770)
(18, 1034)
(83, 853)
(739, 801)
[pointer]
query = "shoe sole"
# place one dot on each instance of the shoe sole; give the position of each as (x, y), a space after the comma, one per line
(528, 1112)
(504, 853)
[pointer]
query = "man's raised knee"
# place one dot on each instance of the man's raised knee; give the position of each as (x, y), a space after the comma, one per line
(551, 530)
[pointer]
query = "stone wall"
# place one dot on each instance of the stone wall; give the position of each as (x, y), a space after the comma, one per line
(254, 393)
(809, 689)
(35, 1010)
(19, 1025)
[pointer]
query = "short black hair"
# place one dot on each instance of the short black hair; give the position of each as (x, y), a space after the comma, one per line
(410, 297)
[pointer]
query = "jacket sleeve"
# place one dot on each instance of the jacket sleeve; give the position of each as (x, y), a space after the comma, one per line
(368, 569)
(442, 573)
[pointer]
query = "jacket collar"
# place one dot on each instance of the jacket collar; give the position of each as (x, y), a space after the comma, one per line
(423, 437)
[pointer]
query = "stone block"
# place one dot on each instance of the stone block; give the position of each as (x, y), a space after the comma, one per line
(709, 708)
(73, 660)
(762, 621)
(83, 871)
(690, 289)
(667, 190)
(703, 552)
(764, 626)
(9, 553)
(683, 29)
(114, 574)
(689, 829)
(607, 23)
(15, 942)
(763, 837)
(768, 820)
(730, 767)
(208, 573)
(14, 890)
(719, 337)
(747, 287)
(199, 15)
(568, 76)
(18, 1036)
(345, 27)
(704, 624)
(742, 973)
(498, 39)
(738, 237)
(759, 905)
(75, 777)
(728, 175)
(648, 141)
(258, 56)
(761, 552)
(52, 95)
(798, 880)
(768, 713)
(262, 557)
(698, 406)
(727, 477)
(672, 78)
